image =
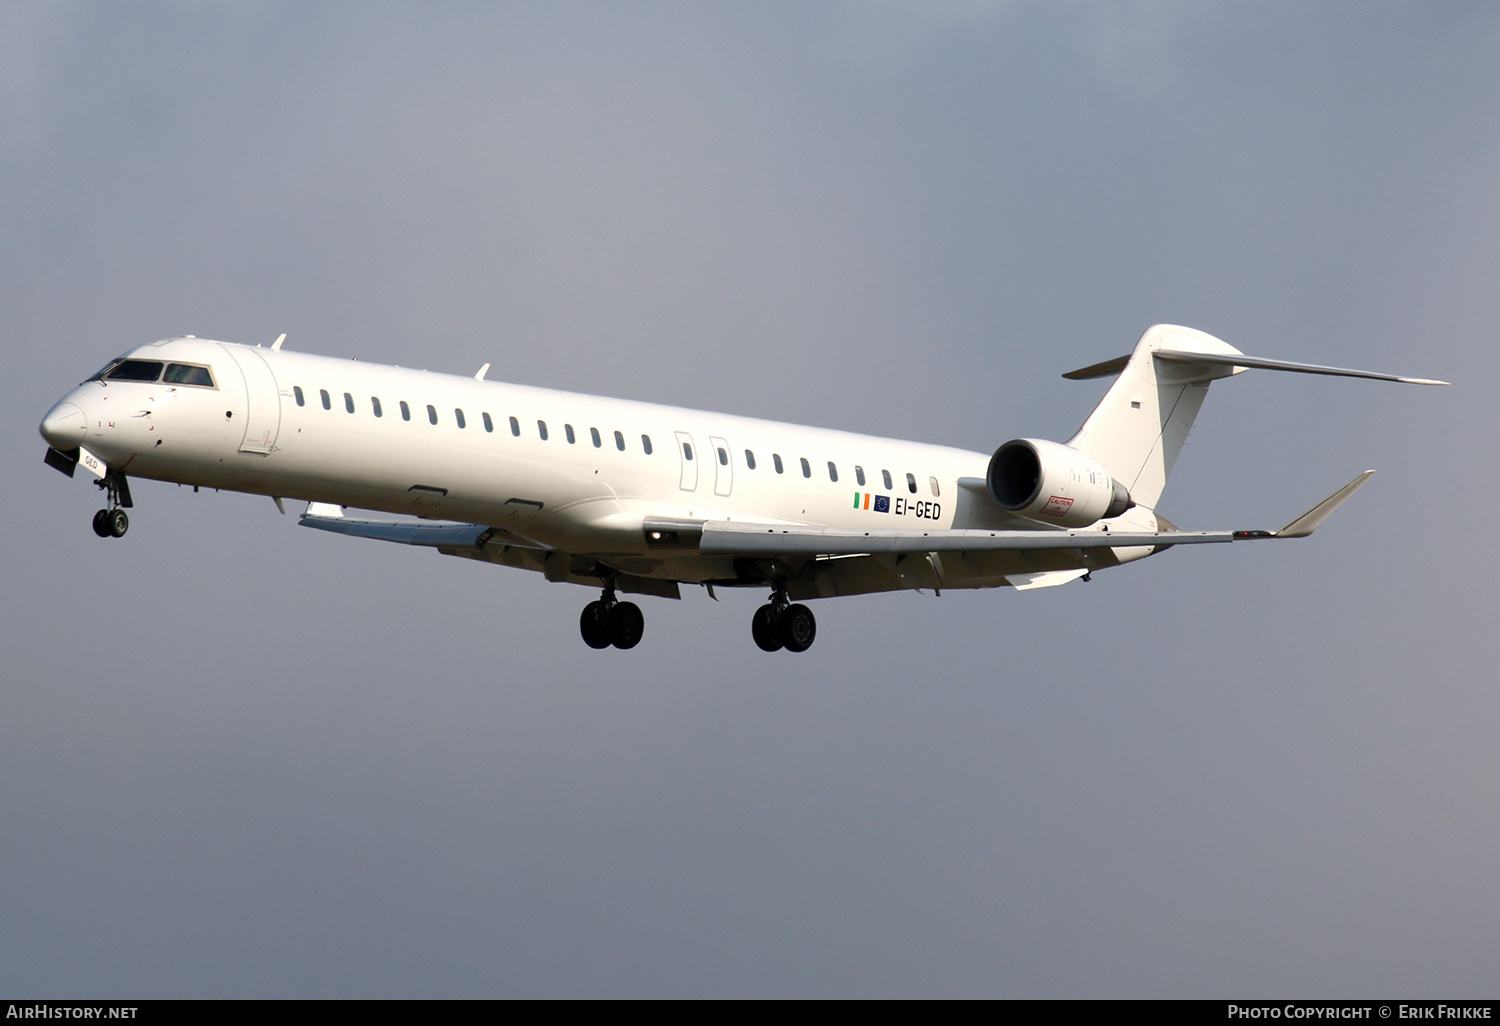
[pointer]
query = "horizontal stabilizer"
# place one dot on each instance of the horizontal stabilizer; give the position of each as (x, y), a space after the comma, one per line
(1241, 360)
(1099, 370)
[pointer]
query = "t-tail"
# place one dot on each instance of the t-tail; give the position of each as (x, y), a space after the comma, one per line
(1140, 425)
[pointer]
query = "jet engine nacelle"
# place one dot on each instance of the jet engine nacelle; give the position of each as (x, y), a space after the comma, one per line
(1053, 483)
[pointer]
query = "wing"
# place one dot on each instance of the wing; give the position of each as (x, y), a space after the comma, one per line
(721, 538)
(1044, 557)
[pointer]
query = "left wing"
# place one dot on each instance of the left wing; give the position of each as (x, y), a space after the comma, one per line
(720, 538)
(725, 538)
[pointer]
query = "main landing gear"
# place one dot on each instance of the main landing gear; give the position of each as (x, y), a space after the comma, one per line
(609, 622)
(112, 522)
(778, 625)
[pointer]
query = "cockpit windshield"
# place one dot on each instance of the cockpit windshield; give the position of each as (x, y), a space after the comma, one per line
(135, 370)
(151, 370)
(188, 374)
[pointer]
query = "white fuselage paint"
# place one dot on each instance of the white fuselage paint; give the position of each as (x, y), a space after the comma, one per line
(249, 433)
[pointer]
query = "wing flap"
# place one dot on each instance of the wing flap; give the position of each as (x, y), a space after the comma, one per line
(433, 534)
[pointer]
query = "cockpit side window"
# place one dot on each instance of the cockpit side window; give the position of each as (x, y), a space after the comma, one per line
(135, 370)
(187, 374)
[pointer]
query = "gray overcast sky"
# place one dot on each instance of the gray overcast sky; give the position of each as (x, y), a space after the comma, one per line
(242, 759)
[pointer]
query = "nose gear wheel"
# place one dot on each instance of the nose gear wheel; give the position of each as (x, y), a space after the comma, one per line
(113, 522)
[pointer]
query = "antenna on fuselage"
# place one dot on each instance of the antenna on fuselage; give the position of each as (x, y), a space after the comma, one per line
(482, 372)
(279, 339)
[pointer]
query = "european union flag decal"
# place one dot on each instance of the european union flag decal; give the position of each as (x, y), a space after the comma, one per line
(882, 504)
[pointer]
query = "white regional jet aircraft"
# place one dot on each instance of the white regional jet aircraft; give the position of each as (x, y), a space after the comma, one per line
(638, 498)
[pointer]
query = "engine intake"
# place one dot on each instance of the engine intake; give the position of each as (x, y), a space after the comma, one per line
(1053, 483)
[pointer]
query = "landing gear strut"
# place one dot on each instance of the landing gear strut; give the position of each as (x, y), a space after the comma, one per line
(112, 522)
(608, 622)
(778, 625)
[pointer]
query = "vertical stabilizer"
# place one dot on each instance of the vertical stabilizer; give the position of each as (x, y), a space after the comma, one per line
(1139, 426)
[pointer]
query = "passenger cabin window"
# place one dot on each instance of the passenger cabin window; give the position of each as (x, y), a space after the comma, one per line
(375, 406)
(749, 459)
(911, 483)
(723, 457)
(776, 461)
(187, 374)
(833, 472)
(646, 444)
(619, 441)
(135, 370)
(932, 483)
(458, 415)
(859, 475)
(541, 430)
(348, 402)
(432, 413)
(297, 391)
(568, 430)
(489, 425)
(886, 476)
(515, 427)
(806, 467)
(405, 410)
(594, 434)
(687, 451)
(327, 402)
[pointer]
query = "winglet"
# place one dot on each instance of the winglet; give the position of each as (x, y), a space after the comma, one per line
(1308, 522)
(482, 372)
(277, 344)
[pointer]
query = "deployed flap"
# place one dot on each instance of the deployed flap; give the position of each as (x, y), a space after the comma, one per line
(1050, 579)
(431, 535)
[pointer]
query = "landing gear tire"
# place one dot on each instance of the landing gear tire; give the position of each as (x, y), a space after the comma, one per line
(763, 628)
(101, 523)
(626, 625)
(118, 523)
(798, 628)
(592, 625)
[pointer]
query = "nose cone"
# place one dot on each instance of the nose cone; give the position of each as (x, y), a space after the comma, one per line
(65, 427)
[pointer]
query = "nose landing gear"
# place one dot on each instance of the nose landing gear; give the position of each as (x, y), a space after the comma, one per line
(608, 622)
(112, 522)
(777, 625)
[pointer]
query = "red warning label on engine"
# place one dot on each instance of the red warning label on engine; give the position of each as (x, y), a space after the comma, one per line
(1057, 506)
